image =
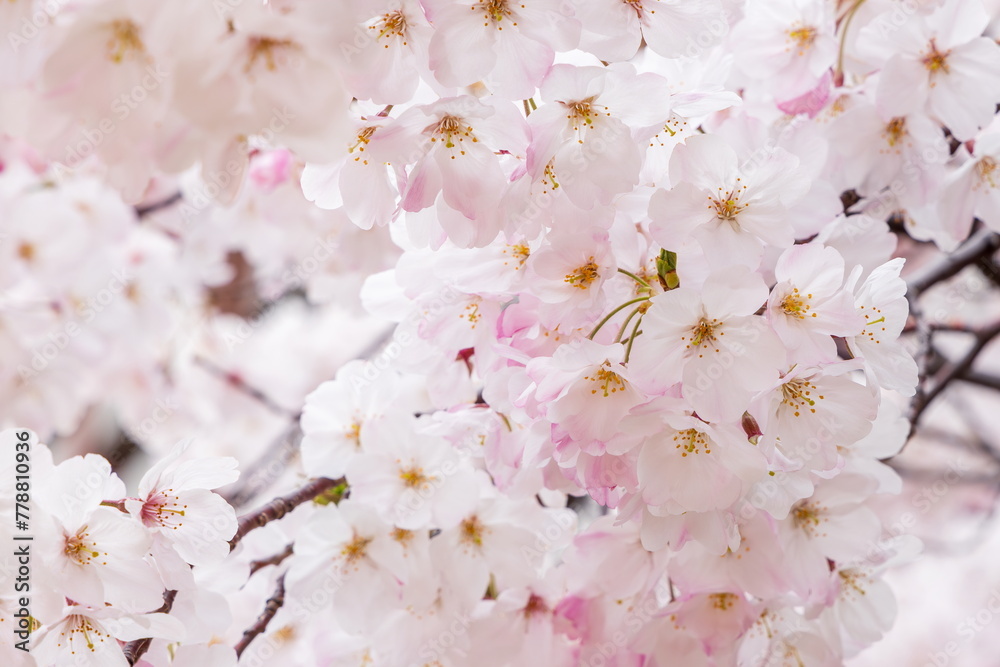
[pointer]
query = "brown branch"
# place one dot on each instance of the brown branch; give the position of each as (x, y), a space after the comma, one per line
(134, 649)
(142, 211)
(982, 244)
(951, 372)
(281, 506)
(982, 379)
(260, 625)
(271, 560)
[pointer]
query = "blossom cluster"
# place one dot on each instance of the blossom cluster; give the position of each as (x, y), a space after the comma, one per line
(644, 362)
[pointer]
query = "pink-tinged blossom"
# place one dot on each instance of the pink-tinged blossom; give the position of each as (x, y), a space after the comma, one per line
(337, 414)
(360, 182)
(452, 145)
(349, 550)
(613, 29)
(176, 503)
(389, 42)
(971, 191)
(91, 634)
(711, 341)
(413, 480)
(809, 304)
(939, 64)
(881, 300)
(94, 554)
(813, 412)
(582, 136)
(509, 45)
(585, 389)
(731, 209)
(694, 466)
(789, 44)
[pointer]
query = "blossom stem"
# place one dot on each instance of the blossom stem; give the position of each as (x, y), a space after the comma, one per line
(117, 504)
(634, 277)
(631, 338)
(624, 326)
(839, 72)
(613, 313)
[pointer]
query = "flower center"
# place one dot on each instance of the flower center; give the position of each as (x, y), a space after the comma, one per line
(895, 131)
(519, 252)
(496, 11)
(797, 306)
(807, 518)
(608, 381)
(26, 251)
(936, 61)
(80, 626)
(691, 441)
(268, 49)
(797, 394)
(803, 36)
(988, 172)
(364, 136)
(582, 113)
(81, 548)
(163, 509)
(355, 550)
(472, 531)
(583, 276)
(703, 331)
(723, 601)
(392, 24)
(413, 477)
(124, 41)
(449, 127)
(727, 205)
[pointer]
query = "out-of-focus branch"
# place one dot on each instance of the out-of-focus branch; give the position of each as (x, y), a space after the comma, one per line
(951, 372)
(983, 244)
(143, 211)
(239, 383)
(982, 379)
(271, 608)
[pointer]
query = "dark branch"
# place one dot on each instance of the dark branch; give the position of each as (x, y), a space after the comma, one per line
(134, 649)
(982, 244)
(260, 625)
(281, 506)
(982, 379)
(143, 211)
(953, 371)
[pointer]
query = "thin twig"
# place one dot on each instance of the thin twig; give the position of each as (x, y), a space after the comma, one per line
(281, 506)
(952, 372)
(260, 625)
(276, 559)
(983, 244)
(143, 211)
